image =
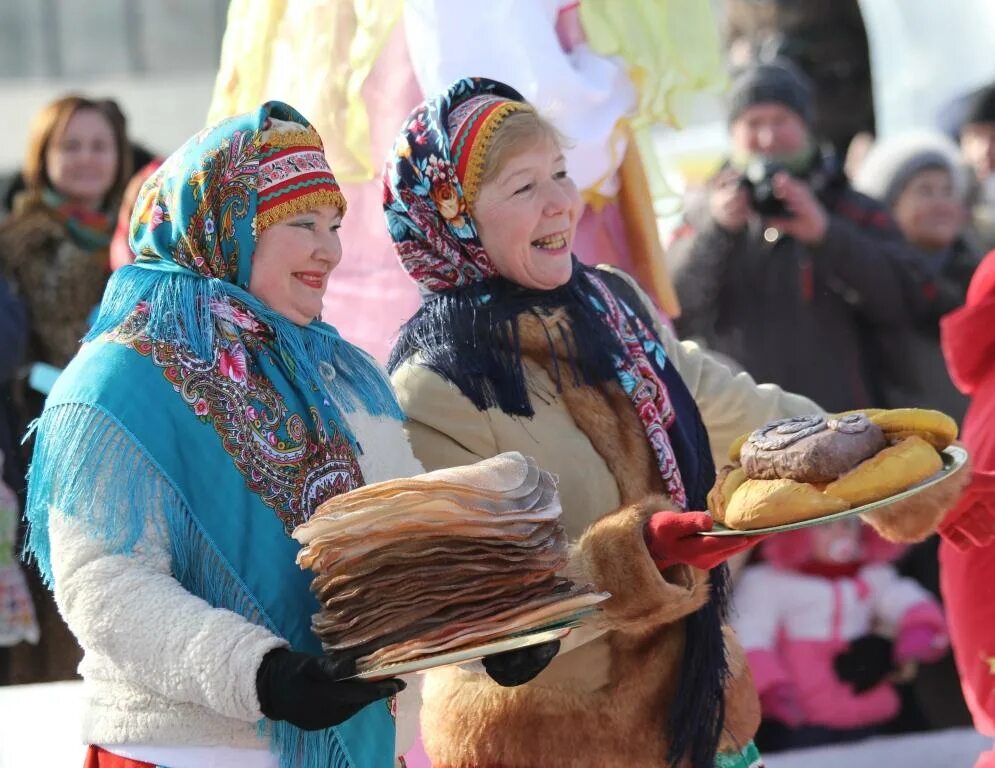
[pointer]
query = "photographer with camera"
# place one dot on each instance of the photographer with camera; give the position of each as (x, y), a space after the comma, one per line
(782, 266)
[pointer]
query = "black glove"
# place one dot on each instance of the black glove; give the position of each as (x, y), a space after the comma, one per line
(865, 663)
(307, 691)
(518, 667)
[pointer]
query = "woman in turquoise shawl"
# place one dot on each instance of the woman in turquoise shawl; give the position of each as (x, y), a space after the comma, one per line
(207, 415)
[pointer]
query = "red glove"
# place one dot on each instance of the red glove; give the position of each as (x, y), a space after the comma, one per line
(672, 539)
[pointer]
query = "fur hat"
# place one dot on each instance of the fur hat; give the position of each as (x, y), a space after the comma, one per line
(778, 81)
(892, 162)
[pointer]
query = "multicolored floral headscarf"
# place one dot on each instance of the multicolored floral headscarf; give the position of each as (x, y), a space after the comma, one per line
(429, 187)
(432, 179)
(467, 332)
(193, 392)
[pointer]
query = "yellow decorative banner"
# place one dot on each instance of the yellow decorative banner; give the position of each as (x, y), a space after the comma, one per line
(316, 57)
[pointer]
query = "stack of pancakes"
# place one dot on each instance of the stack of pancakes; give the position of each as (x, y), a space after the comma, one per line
(806, 467)
(424, 565)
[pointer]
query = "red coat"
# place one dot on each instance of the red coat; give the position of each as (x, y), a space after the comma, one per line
(967, 553)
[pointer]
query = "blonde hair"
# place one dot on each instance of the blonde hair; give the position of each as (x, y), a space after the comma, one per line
(518, 132)
(50, 123)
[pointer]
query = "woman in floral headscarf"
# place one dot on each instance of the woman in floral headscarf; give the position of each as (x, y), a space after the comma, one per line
(519, 347)
(207, 415)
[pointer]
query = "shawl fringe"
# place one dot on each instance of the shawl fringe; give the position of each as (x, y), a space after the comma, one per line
(75, 438)
(471, 337)
(305, 749)
(184, 315)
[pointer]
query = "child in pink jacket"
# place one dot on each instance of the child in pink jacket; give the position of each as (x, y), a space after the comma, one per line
(827, 622)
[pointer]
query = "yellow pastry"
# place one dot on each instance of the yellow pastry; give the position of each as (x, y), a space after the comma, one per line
(765, 503)
(935, 427)
(888, 472)
(730, 477)
(737, 444)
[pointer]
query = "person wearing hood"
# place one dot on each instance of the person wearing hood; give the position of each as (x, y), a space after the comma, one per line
(782, 266)
(918, 177)
(967, 549)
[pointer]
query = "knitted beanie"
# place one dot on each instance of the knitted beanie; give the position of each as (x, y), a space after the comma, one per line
(779, 82)
(893, 162)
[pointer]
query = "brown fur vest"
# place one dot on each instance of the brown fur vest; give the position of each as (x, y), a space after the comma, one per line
(604, 703)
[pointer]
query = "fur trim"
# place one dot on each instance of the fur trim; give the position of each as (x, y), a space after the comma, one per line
(742, 701)
(615, 559)
(557, 721)
(605, 704)
(33, 228)
(604, 413)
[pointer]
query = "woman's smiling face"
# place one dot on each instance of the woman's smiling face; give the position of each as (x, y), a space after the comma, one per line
(292, 262)
(82, 163)
(929, 210)
(526, 217)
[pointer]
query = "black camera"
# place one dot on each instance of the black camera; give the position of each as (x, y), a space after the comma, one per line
(758, 181)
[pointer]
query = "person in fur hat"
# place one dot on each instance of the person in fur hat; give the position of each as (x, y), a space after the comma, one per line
(919, 179)
(976, 134)
(518, 346)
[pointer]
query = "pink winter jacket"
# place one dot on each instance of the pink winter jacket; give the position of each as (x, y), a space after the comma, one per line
(792, 626)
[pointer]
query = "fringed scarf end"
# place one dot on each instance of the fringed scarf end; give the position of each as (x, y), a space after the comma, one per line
(304, 749)
(71, 440)
(185, 315)
(698, 716)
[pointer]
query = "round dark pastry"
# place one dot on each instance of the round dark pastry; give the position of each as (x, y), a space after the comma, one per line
(810, 449)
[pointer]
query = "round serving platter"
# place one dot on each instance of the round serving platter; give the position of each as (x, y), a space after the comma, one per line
(465, 655)
(954, 458)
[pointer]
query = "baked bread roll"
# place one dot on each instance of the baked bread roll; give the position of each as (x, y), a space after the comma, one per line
(935, 427)
(730, 477)
(737, 445)
(891, 471)
(807, 467)
(810, 449)
(766, 503)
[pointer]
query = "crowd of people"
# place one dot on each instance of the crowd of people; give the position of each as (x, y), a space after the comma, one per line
(176, 303)
(836, 288)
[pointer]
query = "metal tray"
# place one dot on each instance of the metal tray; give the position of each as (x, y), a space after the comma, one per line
(954, 458)
(465, 655)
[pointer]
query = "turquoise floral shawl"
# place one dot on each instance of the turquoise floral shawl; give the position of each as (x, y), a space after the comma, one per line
(238, 409)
